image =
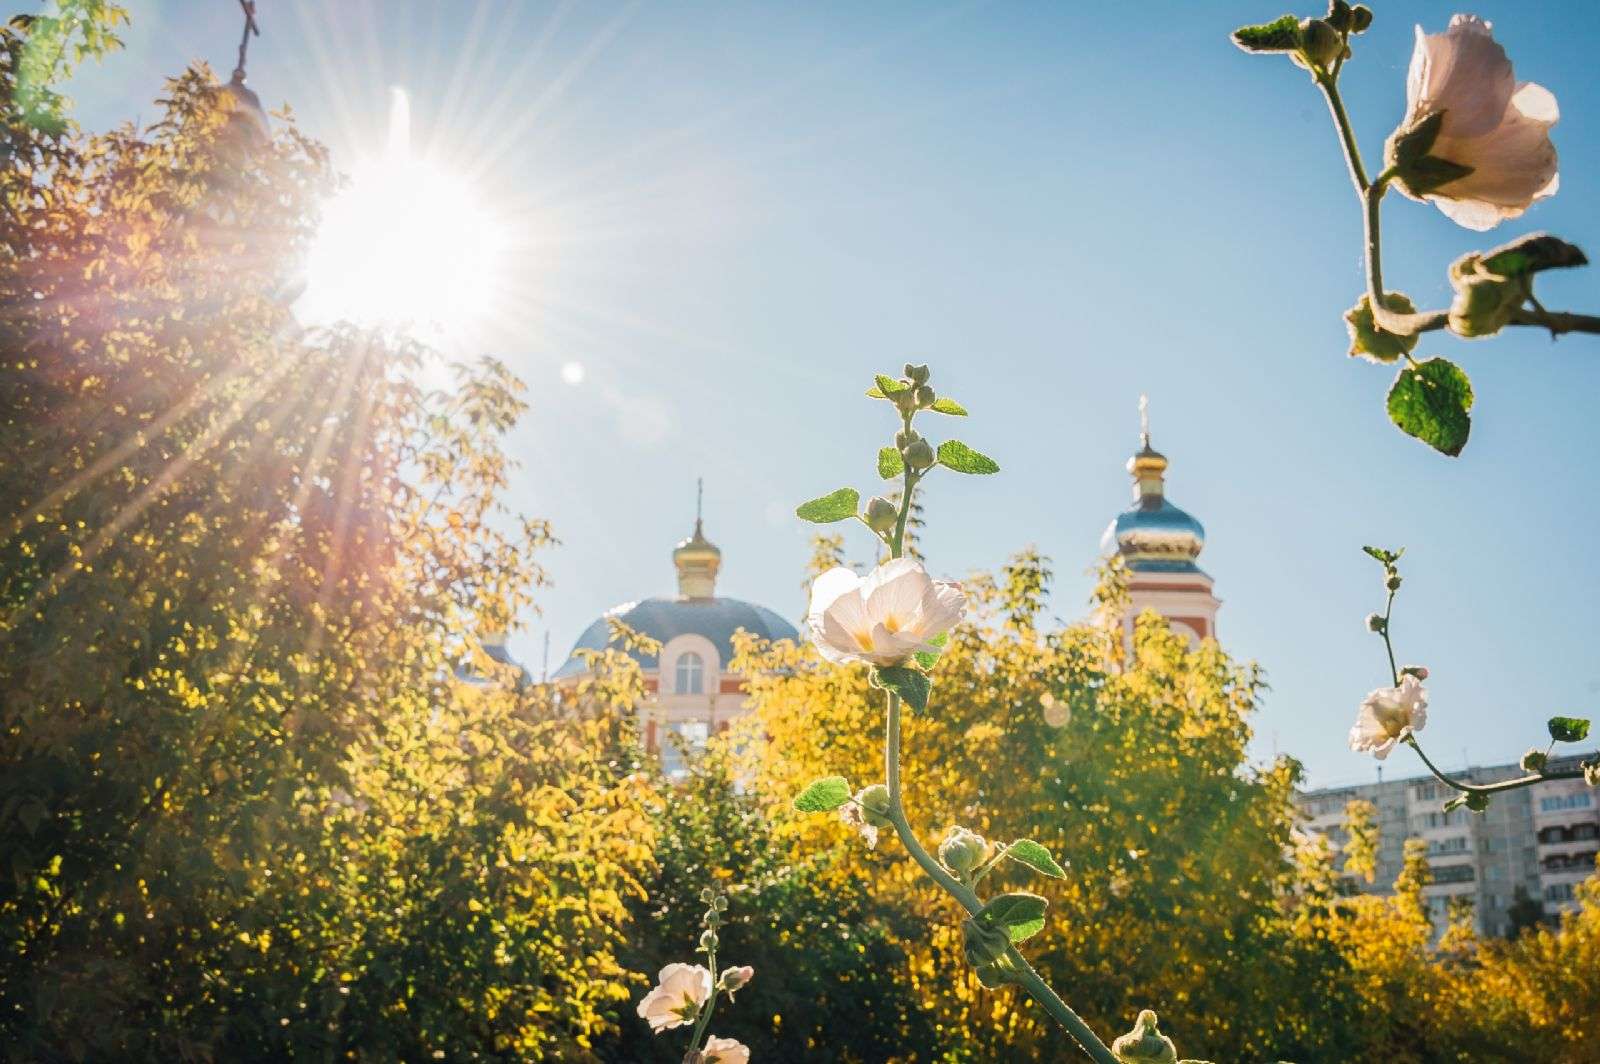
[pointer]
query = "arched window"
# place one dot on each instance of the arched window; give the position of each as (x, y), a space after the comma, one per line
(691, 674)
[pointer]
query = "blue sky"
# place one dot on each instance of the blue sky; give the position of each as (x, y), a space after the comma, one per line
(733, 214)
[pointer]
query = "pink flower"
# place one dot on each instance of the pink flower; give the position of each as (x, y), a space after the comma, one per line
(736, 978)
(897, 611)
(680, 991)
(725, 1051)
(1492, 123)
(1388, 716)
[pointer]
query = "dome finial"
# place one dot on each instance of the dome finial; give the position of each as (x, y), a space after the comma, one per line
(1144, 420)
(697, 558)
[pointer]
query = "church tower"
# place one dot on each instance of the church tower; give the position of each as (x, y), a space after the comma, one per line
(1159, 543)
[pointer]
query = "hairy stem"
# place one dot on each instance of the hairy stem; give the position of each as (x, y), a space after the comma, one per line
(1491, 788)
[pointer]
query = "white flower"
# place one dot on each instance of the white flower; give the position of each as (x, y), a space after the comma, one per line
(725, 1051)
(1389, 715)
(680, 991)
(1492, 123)
(897, 611)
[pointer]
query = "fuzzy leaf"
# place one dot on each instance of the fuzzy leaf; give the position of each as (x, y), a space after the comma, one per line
(836, 506)
(946, 405)
(886, 387)
(1431, 402)
(1036, 857)
(1021, 914)
(1569, 729)
(953, 454)
(1387, 557)
(912, 685)
(1280, 35)
(828, 793)
(890, 464)
(929, 658)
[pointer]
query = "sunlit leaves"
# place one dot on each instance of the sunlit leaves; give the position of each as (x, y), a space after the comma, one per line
(890, 464)
(1280, 35)
(957, 456)
(823, 795)
(1036, 857)
(1020, 914)
(835, 506)
(946, 405)
(912, 685)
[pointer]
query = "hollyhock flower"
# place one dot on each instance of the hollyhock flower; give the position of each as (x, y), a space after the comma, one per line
(1492, 123)
(725, 1051)
(736, 978)
(895, 612)
(680, 991)
(1389, 715)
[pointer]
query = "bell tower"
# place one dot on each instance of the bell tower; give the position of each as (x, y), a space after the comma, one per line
(1159, 544)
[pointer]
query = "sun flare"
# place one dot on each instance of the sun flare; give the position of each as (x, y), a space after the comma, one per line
(406, 245)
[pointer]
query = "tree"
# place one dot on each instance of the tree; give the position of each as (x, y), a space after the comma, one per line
(246, 807)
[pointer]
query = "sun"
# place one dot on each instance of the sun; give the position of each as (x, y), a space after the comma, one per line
(407, 245)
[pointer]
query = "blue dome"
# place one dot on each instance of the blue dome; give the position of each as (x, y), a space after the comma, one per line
(1156, 536)
(663, 619)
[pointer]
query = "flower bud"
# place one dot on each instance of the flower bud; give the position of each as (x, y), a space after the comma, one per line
(1484, 301)
(1320, 43)
(983, 946)
(1591, 773)
(736, 978)
(1393, 582)
(924, 396)
(874, 802)
(916, 374)
(720, 903)
(962, 850)
(1144, 1044)
(708, 895)
(905, 399)
(1376, 623)
(1419, 671)
(708, 940)
(1360, 18)
(1477, 801)
(902, 438)
(919, 454)
(881, 514)
(1534, 760)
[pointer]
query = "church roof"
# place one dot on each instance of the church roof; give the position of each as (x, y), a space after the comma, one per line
(663, 619)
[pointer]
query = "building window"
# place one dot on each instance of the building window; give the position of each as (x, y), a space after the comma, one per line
(1458, 844)
(691, 678)
(1454, 874)
(1558, 892)
(1557, 803)
(680, 742)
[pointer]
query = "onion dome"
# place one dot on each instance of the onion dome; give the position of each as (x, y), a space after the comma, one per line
(1154, 535)
(697, 560)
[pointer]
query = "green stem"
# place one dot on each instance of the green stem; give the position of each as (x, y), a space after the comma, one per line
(1388, 644)
(704, 1020)
(1490, 788)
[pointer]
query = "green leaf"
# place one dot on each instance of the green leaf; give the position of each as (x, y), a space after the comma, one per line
(832, 507)
(1280, 35)
(828, 793)
(929, 658)
(1410, 143)
(1036, 857)
(890, 464)
(1431, 402)
(912, 685)
(887, 386)
(1387, 557)
(946, 405)
(1021, 914)
(1569, 729)
(953, 454)
(1367, 340)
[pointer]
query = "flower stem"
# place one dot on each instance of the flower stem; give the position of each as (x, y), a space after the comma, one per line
(1491, 788)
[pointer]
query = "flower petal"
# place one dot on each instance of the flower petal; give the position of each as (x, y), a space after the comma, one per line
(827, 588)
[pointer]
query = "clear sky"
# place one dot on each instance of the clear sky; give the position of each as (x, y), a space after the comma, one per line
(732, 214)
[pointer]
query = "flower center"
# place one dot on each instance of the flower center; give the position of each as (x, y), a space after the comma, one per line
(892, 623)
(864, 641)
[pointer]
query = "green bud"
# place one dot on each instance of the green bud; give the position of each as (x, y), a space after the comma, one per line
(1534, 760)
(1477, 801)
(1376, 623)
(992, 976)
(919, 455)
(1367, 340)
(962, 850)
(1338, 15)
(708, 940)
(1419, 671)
(983, 946)
(1360, 18)
(916, 374)
(1144, 1044)
(903, 438)
(905, 400)
(1393, 582)
(721, 903)
(1320, 43)
(924, 396)
(881, 515)
(1591, 773)
(1484, 301)
(874, 802)
(708, 895)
